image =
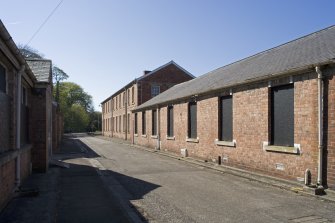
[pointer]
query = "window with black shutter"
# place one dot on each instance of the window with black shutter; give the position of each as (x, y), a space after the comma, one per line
(170, 121)
(226, 118)
(143, 123)
(282, 115)
(154, 123)
(2, 79)
(135, 130)
(192, 120)
(128, 123)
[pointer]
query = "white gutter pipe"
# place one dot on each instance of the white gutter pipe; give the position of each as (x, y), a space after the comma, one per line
(18, 125)
(320, 126)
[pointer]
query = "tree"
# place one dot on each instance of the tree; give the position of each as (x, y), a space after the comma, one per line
(58, 75)
(76, 119)
(71, 97)
(29, 52)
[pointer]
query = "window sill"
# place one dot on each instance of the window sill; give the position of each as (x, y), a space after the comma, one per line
(144, 136)
(136, 135)
(154, 137)
(170, 138)
(282, 149)
(192, 140)
(225, 143)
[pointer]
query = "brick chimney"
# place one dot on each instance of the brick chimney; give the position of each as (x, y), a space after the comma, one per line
(146, 72)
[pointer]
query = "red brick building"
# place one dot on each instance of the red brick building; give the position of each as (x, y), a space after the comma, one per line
(25, 116)
(273, 113)
(116, 109)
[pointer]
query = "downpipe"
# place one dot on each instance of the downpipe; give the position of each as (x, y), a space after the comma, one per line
(320, 127)
(18, 127)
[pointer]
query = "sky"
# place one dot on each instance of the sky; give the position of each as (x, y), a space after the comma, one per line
(104, 44)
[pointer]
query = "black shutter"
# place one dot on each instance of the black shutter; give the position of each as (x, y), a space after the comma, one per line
(135, 123)
(226, 118)
(143, 123)
(282, 115)
(154, 123)
(192, 120)
(170, 121)
(2, 79)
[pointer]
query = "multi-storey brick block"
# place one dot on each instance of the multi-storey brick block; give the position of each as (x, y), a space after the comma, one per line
(116, 109)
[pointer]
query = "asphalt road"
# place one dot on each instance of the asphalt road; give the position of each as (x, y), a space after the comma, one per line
(168, 190)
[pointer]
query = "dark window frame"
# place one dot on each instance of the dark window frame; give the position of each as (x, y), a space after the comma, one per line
(170, 116)
(143, 123)
(155, 90)
(225, 118)
(282, 115)
(192, 120)
(154, 122)
(135, 124)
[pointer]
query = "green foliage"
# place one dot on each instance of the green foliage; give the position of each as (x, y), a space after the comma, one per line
(71, 98)
(76, 119)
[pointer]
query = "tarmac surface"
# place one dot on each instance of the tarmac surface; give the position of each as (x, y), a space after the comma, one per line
(108, 180)
(74, 194)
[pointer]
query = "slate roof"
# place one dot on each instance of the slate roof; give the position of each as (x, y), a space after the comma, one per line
(315, 49)
(41, 69)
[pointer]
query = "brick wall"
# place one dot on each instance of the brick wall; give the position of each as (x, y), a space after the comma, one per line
(25, 159)
(329, 125)
(5, 122)
(165, 78)
(7, 182)
(39, 134)
(250, 129)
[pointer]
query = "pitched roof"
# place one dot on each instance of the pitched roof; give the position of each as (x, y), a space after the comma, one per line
(41, 69)
(147, 75)
(315, 49)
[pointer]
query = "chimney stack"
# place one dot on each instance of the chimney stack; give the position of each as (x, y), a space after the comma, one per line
(146, 72)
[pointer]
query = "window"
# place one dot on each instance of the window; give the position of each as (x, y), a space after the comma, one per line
(132, 95)
(116, 119)
(154, 123)
(226, 118)
(155, 90)
(192, 120)
(124, 123)
(120, 123)
(128, 124)
(2, 79)
(282, 115)
(112, 124)
(128, 96)
(135, 130)
(124, 99)
(170, 121)
(120, 101)
(143, 123)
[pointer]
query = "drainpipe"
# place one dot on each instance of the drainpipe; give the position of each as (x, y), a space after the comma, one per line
(18, 126)
(320, 126)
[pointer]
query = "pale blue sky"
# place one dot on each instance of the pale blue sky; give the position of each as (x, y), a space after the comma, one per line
(104, 44)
